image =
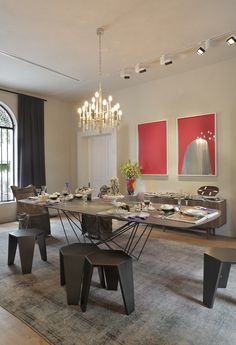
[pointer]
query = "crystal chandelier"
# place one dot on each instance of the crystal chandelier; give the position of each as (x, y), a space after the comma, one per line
(99, 113)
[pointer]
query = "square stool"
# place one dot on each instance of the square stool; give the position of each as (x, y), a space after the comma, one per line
(117, 266)
(25, 238)
(217, 263)
(72, 259)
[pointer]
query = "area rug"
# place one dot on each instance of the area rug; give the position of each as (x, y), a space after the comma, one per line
(168, 300)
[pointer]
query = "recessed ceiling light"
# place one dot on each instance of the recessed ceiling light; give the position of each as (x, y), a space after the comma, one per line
(201, 51)
(231, 40)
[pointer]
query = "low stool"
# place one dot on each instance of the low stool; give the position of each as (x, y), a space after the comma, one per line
(217, 264)
(117, 266)
(25, 238)
(72, 259)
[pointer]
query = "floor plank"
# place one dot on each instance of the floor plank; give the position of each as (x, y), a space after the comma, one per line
(14, 331)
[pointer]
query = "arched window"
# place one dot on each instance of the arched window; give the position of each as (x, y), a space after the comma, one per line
(7, 164)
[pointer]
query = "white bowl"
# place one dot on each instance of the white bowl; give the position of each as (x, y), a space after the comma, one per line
(167, 207)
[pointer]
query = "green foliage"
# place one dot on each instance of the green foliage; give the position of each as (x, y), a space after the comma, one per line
(130, 170)
(4, 166)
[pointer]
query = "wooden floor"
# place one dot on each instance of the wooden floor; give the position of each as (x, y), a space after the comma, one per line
(14, 331)
(196, 238)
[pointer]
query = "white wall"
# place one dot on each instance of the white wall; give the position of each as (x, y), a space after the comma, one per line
(82, 162)
(205, 90)
(60, 147)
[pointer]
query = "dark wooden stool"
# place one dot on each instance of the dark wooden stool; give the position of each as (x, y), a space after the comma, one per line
(72, 267)
(117, 266)
(26, 241)
(217, 263)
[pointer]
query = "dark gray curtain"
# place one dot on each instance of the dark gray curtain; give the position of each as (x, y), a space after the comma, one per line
(31, 154)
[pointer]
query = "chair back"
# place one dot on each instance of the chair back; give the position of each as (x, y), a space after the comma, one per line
(24, 193)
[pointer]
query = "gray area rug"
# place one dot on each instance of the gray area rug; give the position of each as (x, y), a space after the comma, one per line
(168, 300)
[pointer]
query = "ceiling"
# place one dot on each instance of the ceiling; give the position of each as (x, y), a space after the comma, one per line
(61, 36)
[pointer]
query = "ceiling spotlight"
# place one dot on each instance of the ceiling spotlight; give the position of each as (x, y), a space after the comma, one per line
(124, 74)
(165, 61)
(201, 51)
(205, 45)
(231, 40)
(140, 68)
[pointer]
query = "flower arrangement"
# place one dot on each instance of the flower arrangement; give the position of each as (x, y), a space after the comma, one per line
(130, 170)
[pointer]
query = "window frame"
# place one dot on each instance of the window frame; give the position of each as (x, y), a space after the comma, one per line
(13, 128)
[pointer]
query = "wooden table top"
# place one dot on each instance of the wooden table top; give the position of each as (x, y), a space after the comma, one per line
(100, 207)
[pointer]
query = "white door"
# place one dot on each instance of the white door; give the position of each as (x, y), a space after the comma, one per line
(102, 160)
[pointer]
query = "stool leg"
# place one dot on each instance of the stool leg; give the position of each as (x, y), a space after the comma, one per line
(101, 277)
(62, 271)
(42, 246)
(26, 249)
(88, 272)
(12, 244)
(211, 277)
(224, 275)
(112, 278)
(73, 277)
(127, 285)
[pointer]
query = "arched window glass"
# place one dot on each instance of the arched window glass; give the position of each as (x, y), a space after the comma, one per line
(7, 164)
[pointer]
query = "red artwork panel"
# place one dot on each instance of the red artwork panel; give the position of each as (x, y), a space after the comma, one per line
(197, 145)
(152, 147)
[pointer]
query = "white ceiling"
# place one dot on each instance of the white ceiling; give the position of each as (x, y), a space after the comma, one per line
(61, 35)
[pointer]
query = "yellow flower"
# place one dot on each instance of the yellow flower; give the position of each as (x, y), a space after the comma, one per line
(130, 170)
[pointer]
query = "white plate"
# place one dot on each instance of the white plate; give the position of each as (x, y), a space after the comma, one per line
(195, 212)
(112, 197)
(167, 207)
(33, 197)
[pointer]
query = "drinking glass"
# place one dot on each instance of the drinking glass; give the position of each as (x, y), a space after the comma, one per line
(44, 189)
(38, 191)
(65, 192)
(179, 203)
(84, 198)
(147, 202)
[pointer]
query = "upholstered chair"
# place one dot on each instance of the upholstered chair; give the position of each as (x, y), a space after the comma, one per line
(30, 216)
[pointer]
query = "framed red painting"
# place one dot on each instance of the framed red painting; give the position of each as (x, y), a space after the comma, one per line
(152, 147)
(197, 145)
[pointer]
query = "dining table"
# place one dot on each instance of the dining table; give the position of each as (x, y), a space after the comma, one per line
(136, 221)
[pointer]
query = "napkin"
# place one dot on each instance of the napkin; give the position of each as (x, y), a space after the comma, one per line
(140, 215)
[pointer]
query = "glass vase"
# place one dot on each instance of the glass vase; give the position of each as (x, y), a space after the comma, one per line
(130, 183)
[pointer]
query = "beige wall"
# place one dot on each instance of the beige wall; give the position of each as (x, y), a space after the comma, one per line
(205, 90)
(60, 147)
